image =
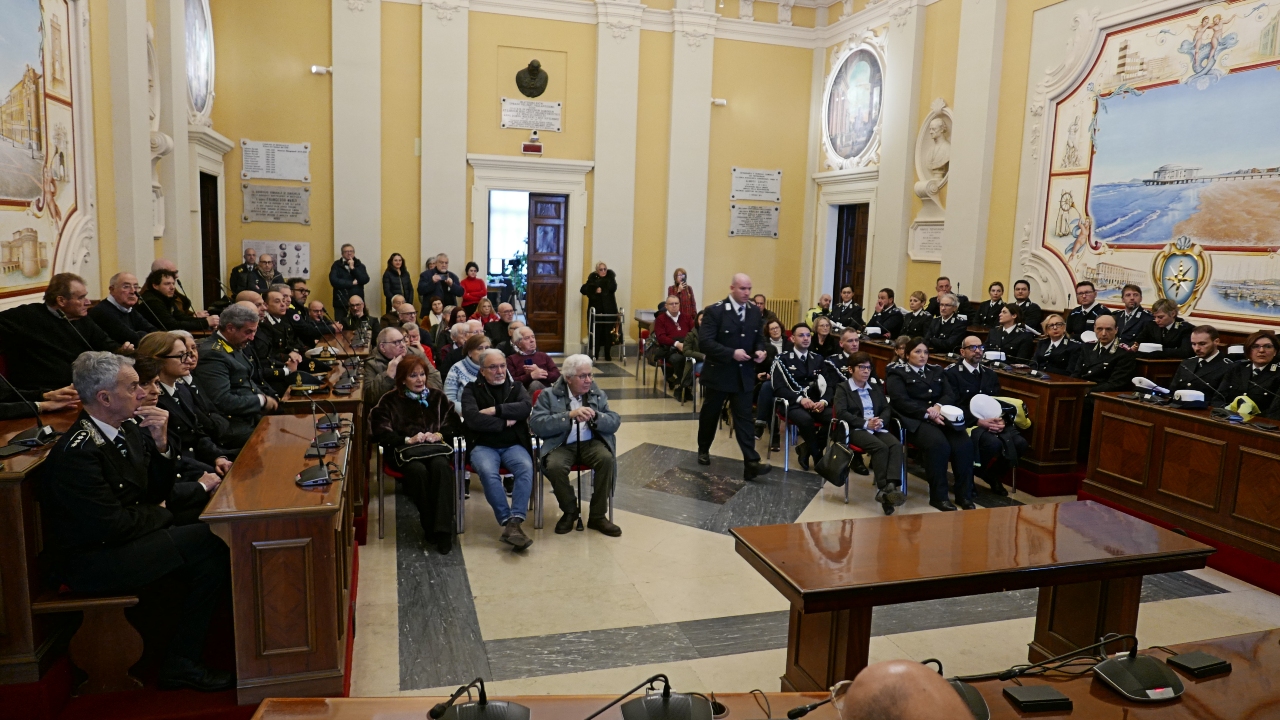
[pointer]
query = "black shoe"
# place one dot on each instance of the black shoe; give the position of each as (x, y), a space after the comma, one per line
(998, 489)
(888, 508)
(564, 525)
(179, 672)
(509, 484)
(802, 457)
(944, 506)
(444, 542)
(761, 426)
(704, 458)
(858, 466)
(894, 496)
(756, 469)
(604, 527)
(967, 505)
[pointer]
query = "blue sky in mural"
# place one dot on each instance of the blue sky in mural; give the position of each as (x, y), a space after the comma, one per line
(19, 40)
(1230, 125)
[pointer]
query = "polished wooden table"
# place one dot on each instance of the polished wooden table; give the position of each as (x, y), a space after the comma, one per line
(291, 553)
(327, 401)
(1249, 691)
(1055, 406)
(741, 706)
(1087, 559)
(28, 643)
(1191, 470)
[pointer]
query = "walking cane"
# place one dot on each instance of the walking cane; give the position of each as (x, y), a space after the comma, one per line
(577, 463)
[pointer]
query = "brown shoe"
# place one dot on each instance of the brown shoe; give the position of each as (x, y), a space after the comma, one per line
(603, 526)
(514, 536)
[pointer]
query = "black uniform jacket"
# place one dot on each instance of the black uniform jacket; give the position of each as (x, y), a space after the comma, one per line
(964, 383)
(1261, 386)
(1060, 359)
(916, 324)
(1110, 367)
(889, 320)
(945, 336)
(794, 376)
(1175, 340)
(1203, 375)
(1016, 343)
(1078, 320)
(720, 334)
(915, 391)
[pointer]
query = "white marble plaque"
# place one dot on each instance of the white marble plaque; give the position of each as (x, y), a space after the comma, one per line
(275, 161)
(293, 259)
(276, 203)
(531, 114)
(926, 242)
(751, 184)
(753, 220)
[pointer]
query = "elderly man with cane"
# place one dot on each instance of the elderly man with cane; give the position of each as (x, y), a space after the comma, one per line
(577, 429)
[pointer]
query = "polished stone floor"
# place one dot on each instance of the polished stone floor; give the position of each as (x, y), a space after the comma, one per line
(583, 613)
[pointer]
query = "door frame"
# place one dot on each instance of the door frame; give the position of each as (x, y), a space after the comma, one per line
(539, 175)
(845, 188)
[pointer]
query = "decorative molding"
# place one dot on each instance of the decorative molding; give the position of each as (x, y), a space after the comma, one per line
(578, 11)
(209, 139)
(870, 155)
(657, 21)
(899, 15)
(356, 5)
(696, 26)
(161, 144)
(766, 33)
(446, 8)
(619, 17)
(747, 10)
(202, 117)
(784, 12)
(928, 186)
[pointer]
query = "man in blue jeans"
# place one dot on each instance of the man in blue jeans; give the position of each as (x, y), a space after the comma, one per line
(495, 413)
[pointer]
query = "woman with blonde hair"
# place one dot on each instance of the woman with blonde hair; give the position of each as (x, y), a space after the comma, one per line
(484, 312)
(680, 289)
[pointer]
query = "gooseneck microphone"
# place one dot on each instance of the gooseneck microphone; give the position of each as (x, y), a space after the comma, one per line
(316, 475)
(439, 710)
(803, 710)
(39, 435)
(74, 328)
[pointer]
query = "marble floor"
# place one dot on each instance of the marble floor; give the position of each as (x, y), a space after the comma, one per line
(584, 613)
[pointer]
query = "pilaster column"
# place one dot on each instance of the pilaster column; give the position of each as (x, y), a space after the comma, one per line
(694, 49)
(357, 142)
(617, 100)
(973, 143)
(181, 230)
(904, 48)
(444, 130)
(131, 135)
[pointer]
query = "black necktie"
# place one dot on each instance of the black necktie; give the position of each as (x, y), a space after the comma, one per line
(121, 446)
(742, 313)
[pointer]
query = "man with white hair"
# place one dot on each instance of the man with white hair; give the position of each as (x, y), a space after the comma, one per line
(450, 354)
(226, 375)
(118, 314)
(577, 428)
(529, 366)
(104, 489)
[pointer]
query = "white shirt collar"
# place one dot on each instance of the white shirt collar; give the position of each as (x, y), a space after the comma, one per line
(171, 389)
(106, 429)
(112, 299)
(674, 318)
(970, 367)
(1210, 358)
(802, 354)
(737, 306)
(1090, 308)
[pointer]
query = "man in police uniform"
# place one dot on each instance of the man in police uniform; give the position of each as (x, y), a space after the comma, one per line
(243, 274)
(1132, 321)
(731, 337)
(946, 331)
(966, 379)
(1032, 315)
(943, 287)
(225, 373)
(888, 316)
(104, 489)
(795, 379)
(1204, 371)
(283, 344)
(1108, 365)
(299, 315)
(1083, 318)
(1168, 330)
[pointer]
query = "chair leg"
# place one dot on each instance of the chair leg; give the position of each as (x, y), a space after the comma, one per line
(786, 447)
(382, 507)
(537, 489)
(847, 482)
(1013, 477)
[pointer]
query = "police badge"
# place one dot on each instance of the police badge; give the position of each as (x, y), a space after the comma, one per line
(1181, 272)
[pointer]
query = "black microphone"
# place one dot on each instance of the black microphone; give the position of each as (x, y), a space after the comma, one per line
(39, 435)
(73, 327)
(337, 335)
(159, 325)
(316, 475)
(803, 710)
(483, 708)
(666, 693)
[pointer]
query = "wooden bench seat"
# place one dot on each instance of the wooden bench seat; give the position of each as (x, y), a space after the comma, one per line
(106, 645)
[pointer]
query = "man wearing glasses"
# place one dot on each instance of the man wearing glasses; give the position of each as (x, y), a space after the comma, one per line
(299, 314)
(948, 329)
(380, 368)
(966, 379)
(117, 314)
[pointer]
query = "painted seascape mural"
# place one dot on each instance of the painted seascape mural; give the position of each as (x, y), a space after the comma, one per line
(1166, 164)
(37, 168)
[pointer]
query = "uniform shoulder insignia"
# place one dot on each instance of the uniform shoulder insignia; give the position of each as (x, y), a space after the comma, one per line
(1178, 323)
(78, 439)
(965, 318)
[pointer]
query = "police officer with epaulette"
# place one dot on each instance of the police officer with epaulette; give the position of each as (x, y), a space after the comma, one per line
(965, 380)
(1132, 321)
(299, 315)
(1257, 377)
(1082, 318)
(1204, 370)
(947, 330)
(1166, 329)
(284, 345)
(1057, 352)
(795, 379)
(242, 275)
(1106, 364)
(104, 487)
(225, 373)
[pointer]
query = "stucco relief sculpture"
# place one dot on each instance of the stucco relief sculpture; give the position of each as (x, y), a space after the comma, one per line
(933, 159)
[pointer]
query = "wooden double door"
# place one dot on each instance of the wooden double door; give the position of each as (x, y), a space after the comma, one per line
(547, 274)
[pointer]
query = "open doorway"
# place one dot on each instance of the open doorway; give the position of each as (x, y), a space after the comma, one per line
(530, 277)
(851, 249)
(509, 245)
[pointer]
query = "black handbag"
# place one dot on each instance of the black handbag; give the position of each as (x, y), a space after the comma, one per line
(422, 451)
(834, 465)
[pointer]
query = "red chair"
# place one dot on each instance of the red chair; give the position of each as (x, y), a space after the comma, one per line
(386, 471)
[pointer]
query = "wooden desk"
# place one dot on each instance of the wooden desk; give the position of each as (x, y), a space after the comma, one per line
(1158, 370)
(558, 707)
(1188, 469)
(345, 349)
(290, 564)
(1249, 691)
(1055, 407)
(295, 403)
(1087, 559)
(28, 643)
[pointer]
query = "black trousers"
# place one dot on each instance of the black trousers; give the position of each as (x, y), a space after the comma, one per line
(604, 339)
(739, 409)
(429, 483)
(939, 444)
(675, 363)
(815, 437)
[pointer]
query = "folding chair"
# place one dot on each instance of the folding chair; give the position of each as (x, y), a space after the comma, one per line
(578, 468)
(791, 433)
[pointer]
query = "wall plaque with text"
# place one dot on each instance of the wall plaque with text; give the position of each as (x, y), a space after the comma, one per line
(753, 220)
(275, 203)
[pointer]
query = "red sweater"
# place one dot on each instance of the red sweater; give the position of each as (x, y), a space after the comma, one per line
(473, 289)
(520, 372)
(668, 332)
(484, 319)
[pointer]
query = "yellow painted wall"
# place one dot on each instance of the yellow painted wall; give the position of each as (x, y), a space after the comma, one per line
(765, 125)
(401, 121)
(653, 148)
(104, 154)
(265, 91)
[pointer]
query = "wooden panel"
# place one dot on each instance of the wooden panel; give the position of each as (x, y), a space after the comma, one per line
(1258, 488)
(286, 614)
(1076, 615)
(1127, 455)
(1065, 420)
(1191, 467)
(812, 654)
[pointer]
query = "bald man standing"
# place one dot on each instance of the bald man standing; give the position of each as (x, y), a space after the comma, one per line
(731, 338)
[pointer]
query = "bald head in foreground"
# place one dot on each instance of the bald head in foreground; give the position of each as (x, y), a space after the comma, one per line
(901, 690)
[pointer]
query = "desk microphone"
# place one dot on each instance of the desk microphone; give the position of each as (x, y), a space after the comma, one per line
(39, 435)
(803, 710)
(1217, 393)
(159, 325)
(315, 475)
(323, 440)
(74, 329)
(337, 335)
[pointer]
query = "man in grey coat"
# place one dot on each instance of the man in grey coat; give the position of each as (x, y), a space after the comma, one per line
(576, 426)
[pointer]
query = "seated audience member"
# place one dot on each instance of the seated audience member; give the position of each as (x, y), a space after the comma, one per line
(356, 318)
(446, 354)
(299, 314)
(27, 403)
(1203, 371)
(432, 315)
(413, 339)
(497, 330)
(484, 312)
(1166, 329)
(993, 443)
(281, 344)
(415, 414)
(919, 391)
(1011, 337)
(528, 366)
(1085, 315)
(669, 329)
(943, 287)
(948, 329)
(118, 313)
(457, 353)
(694, 357)
(1056, 353)
(495, 415)
(318, 318)
(226, 375)
(465, 371)
(836, 368)
(241, 275)
(760, 301)
(776, 342)
(396, 281)
(103, 490)
(916, 321)
(847, 312)
(795, 376)
(42, 339)
(887, 320)
(163, 309)
(825, 342)
(380, 367)
(437, 281)
(1107, 365)
(406, 313)
(1032, 315)
(392, 316)
(1132, 321)
(775, 345)
(861, 404)
(1257, 377)
(444, 331)
(898, 690)
(899, 353)
(987, 314)
(182, 303)
(577, 428)
(194, 440)
(190, 394)
(508, 346)
(822, 309)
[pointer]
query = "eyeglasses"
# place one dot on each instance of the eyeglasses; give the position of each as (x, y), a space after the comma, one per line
(1056, 324)
(1262, 346)
(863, 366)
(838, 691)
(586, 375)
(974, 347)
(181, 356)
(303, 291)
(401, 341)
